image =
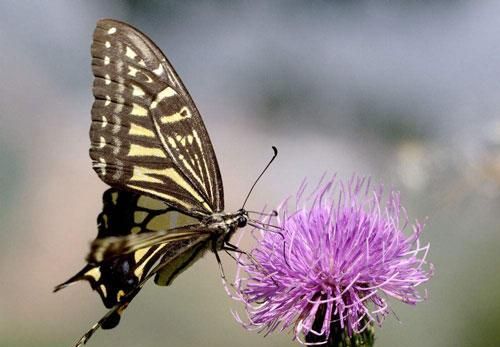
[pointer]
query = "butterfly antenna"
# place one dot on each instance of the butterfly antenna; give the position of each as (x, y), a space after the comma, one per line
(275, 150)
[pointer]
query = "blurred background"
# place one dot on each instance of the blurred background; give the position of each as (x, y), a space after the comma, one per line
(407, 92)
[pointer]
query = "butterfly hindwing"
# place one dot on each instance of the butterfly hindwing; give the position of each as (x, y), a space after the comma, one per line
(146, 134)
(125, 213)
(178, 257)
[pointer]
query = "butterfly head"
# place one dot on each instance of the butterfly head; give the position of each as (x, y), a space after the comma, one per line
(227, 224)
(241, 218)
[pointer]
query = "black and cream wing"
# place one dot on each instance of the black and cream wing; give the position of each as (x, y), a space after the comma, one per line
(126, 213)
(146, 134)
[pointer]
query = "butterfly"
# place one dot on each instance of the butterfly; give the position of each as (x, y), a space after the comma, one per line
(165, 207)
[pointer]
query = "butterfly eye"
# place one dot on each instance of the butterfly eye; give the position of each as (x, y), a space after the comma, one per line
(242, 221)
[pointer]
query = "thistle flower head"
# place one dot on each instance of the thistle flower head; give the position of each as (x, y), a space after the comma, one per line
(332, 262)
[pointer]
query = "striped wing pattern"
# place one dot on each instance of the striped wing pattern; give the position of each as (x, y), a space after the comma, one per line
(127, 213)
(147, 135)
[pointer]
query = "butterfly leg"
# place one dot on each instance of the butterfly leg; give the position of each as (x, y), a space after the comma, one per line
(232, 256)
(233, 248)
(217, 257)
(228, 247)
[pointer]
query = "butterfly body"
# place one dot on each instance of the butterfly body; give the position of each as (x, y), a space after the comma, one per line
(225, 225)
(165, 207)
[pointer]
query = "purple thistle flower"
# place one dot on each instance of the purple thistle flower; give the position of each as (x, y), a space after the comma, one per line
(333, 264)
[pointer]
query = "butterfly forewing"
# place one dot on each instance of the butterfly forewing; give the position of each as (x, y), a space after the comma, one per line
(146, 134)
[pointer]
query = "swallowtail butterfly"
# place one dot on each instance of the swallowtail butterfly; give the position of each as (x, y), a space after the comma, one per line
(148, 142)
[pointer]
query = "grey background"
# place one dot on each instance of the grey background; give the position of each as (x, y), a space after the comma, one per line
(406, 92)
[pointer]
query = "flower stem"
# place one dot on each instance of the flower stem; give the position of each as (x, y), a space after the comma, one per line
(339, 337)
